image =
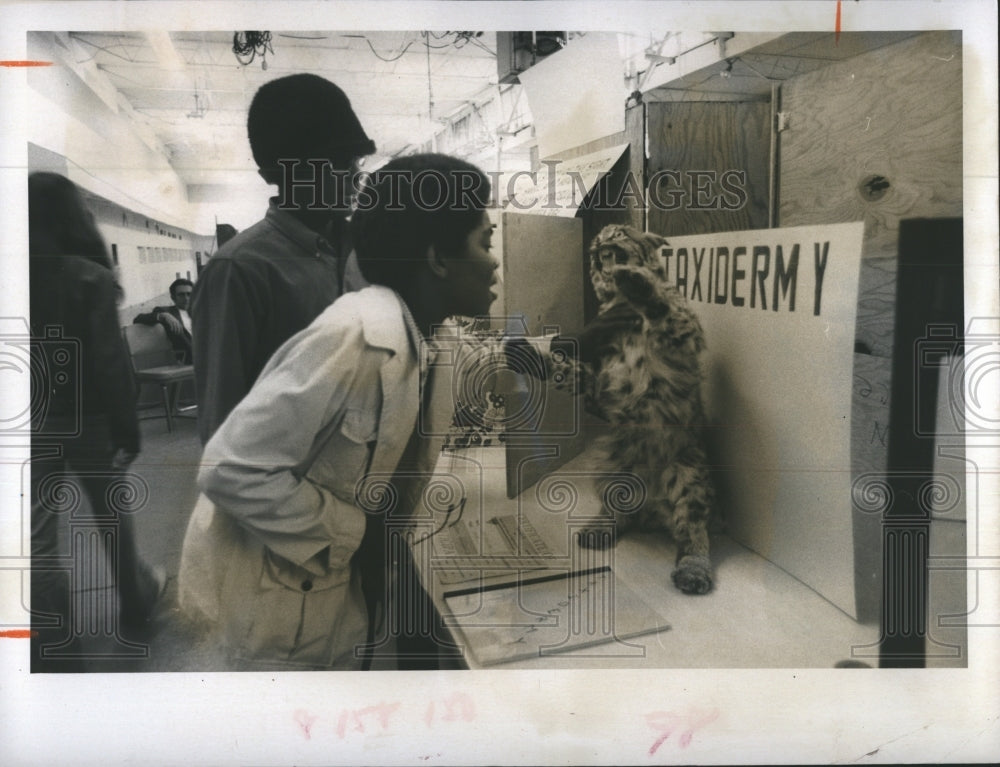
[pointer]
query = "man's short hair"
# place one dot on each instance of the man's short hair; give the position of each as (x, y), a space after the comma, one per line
(303, 117)
(410, 203)
(177, 283)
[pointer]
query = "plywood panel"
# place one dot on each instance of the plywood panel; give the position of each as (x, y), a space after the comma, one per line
(895, 113)
(715, 138)
(635, 134)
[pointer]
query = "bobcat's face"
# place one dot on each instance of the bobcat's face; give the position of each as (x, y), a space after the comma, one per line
(603, 262)
(621, 246)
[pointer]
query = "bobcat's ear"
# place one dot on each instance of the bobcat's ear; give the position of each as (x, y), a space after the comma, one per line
(653, 242)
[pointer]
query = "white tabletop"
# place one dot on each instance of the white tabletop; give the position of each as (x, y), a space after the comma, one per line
(757, 616)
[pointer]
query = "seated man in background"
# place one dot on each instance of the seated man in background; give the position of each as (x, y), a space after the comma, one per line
(175, 319)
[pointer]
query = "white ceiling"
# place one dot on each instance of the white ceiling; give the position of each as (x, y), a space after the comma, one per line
(193, 93)
(187, 94)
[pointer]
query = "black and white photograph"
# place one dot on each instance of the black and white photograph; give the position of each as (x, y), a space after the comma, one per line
(375, 392)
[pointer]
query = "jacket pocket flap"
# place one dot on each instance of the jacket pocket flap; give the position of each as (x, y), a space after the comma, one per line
(279, 572)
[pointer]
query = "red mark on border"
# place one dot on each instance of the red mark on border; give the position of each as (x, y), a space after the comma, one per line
(305, 720)
(382, 712)
(457, 706)
(668, 722)
(836, 28)
(18, 634)
(25, 63)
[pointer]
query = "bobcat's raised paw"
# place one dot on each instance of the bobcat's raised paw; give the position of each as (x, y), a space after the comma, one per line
(634, 282)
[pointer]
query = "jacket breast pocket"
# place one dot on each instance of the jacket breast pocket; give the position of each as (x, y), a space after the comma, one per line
(344, 459)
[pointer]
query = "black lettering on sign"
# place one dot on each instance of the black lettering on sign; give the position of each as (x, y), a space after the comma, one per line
(721, 275)
(758, 274)
(699, 259)
(682, 279)
(738, 274)
(785, 278)
(667, 253)
(820, 262)
(711, 265)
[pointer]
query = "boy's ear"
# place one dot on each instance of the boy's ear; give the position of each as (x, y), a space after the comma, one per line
(435, 263)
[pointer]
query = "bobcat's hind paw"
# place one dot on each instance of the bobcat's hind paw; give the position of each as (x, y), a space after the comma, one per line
(693, 574)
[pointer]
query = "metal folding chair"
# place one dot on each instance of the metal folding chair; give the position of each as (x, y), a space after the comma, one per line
(154, 361)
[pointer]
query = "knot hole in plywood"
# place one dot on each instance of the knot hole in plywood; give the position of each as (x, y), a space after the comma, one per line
(873, 187)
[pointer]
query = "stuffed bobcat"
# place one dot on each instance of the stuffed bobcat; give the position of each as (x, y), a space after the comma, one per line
(646, 381)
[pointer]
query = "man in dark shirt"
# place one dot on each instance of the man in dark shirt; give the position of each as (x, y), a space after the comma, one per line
(273, 279)
(174, 319)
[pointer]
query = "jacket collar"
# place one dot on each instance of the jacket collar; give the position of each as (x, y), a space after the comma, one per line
(310, 241)
(386, 319)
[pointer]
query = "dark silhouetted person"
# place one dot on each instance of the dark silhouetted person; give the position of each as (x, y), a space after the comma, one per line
(85, 432)
(273, 279)
(224, 233)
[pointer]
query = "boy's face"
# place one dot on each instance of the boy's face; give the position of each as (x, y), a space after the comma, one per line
(469, 287)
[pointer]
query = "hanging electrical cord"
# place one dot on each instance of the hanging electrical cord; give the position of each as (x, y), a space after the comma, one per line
(462, 38)
(447, 520)
(393, 58)
(458, 42)
(248, 45)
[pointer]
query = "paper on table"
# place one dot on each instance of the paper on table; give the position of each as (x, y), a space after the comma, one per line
(467, 550)
(547, 616)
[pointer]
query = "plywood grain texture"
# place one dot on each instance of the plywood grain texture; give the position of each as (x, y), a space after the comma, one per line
(715, 137)
(896, 113)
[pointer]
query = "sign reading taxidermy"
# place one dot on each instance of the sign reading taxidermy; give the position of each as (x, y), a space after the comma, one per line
(778, 308)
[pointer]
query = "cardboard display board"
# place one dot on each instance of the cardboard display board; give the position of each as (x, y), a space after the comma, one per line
(544, 294)
(778, 309)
